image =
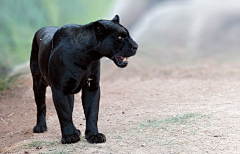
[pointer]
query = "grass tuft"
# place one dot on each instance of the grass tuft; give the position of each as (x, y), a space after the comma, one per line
(185, 119)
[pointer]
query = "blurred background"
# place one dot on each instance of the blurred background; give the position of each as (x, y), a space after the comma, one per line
(169, 32)
(20, 19)
(183, 81)
(183, 31)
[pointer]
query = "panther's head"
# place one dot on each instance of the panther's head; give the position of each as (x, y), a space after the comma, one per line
(114, 41)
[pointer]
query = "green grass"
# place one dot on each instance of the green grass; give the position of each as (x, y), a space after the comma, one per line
(53, 147)
(50, 146)
(37, 144)
(185, 119)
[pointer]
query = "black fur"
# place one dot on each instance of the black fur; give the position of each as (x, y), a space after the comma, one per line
(68, 60)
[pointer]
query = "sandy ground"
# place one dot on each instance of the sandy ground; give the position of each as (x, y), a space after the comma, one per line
(163, 110)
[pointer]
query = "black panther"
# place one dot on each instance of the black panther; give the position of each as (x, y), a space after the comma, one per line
(68, 60)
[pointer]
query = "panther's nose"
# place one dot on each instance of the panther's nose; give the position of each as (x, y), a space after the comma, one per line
(135, 47)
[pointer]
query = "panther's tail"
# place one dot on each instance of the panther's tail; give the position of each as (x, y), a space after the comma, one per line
(34, 55)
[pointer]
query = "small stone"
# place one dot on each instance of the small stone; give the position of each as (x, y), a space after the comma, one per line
(38, 148)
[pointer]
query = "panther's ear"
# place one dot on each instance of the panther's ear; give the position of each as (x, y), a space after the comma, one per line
(99, 28)
(116, 19)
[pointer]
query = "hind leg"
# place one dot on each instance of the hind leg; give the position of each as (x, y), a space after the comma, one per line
(39, 88)
(39, 93)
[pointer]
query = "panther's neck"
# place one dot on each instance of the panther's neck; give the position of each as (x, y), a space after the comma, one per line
(86, 44)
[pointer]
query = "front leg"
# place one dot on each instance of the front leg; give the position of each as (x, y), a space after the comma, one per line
(90, 100)
(64, 107)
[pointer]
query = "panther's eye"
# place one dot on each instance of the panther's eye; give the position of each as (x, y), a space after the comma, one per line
(119, 37)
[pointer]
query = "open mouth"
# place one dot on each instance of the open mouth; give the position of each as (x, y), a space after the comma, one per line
(121, 61)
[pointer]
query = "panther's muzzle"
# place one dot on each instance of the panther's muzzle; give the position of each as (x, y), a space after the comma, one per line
(122, 61)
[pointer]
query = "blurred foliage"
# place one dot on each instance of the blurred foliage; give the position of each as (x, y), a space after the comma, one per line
(20, 19)
(7, 82)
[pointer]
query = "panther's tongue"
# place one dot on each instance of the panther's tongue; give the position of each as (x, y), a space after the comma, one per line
(124, 59)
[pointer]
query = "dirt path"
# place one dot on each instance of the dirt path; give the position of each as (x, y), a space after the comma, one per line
(164, 110)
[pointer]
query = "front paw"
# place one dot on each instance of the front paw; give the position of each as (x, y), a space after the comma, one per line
(68, 139)
(39, 129)
(99, 138)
